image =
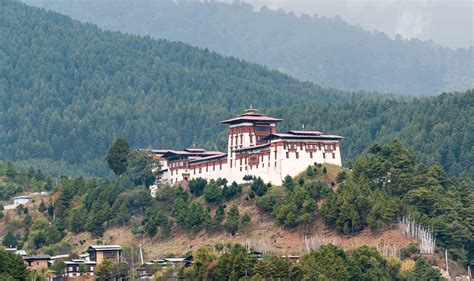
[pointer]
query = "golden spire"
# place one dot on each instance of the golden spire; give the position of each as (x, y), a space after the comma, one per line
(250, 110)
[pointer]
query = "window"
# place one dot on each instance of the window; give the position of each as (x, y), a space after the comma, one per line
(324, 155)
(311, 154)
(297, 155)
(207, 168)
(240, 161)
(284, 145)
(334, 146)
(275, 154)
(263, 165)
(241, 169)
(287, 155)
(213, 166)
(301, 146)
(334, 156)
(200, 170)
(220, 166)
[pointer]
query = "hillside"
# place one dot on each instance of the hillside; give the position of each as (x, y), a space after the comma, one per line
(326, 204)
(438, 129)
(68, 89)
(327, 51)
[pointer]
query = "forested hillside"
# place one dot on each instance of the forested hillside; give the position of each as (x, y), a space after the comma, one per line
(438, 129)
(327, 51)
(385, 184)
(68, 89)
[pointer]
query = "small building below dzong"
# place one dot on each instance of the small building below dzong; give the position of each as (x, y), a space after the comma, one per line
(97, 253)
(255, 148)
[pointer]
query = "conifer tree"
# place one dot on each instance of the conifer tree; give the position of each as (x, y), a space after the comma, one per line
(233, 220)
(117, 156)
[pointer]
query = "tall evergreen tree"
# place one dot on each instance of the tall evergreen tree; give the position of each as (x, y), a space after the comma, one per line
(117, 156)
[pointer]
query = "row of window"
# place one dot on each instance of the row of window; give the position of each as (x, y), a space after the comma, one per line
(309, 146)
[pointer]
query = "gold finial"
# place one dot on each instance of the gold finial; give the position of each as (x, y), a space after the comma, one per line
(250, 110)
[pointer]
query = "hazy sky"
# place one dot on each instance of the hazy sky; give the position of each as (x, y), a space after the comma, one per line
(446, 22)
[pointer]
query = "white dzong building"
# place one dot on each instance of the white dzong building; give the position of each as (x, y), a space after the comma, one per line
(254, 149)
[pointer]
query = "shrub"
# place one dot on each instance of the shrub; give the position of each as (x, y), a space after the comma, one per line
(309, 171)
(196, 186)
(409, 250)
(212, 193)
(301, 181)
(297, 208)
(259, 187)
(266, 203)
(341, 176)
(232, 191)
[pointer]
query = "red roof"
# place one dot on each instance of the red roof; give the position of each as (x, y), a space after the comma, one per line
(200, 153)
(293, 136)
(159, 151)
(208, 158)
(194, 150)
(252, 147)
(251, 117)
(305, 133)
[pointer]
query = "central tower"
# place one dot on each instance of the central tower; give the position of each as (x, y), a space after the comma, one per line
(247, 130)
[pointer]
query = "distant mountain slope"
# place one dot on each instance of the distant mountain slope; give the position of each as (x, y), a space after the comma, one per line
(68, 89)
(329, 52)
(438, 129)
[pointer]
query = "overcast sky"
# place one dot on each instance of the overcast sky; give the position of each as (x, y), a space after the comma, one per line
(446, 22)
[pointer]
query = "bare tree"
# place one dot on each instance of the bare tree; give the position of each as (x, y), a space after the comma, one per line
(316, 241)
(413, 229)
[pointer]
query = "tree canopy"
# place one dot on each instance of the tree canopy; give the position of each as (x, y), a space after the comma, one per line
(327, 51)
(117, 156)
(63, 106)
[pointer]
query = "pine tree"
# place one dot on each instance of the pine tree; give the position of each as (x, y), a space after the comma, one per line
(42, 207)
(117, 156)
(233, 220)
(10, 240)
(288, 183)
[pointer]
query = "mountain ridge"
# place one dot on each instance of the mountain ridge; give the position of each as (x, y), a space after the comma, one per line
(327, 51)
